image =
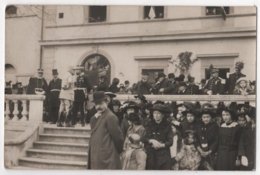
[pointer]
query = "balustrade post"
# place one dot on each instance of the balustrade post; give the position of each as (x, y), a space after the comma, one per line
(7, 110)
(16, 111)
(24, 110)
(36, 110)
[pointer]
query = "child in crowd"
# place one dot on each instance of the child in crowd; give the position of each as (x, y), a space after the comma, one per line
(189, 157)
(134, 158)
(242, 87)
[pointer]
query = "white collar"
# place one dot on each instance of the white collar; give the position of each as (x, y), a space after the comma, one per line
(233, 124)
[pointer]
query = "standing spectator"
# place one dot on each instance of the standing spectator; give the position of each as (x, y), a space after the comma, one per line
(173, 85)
(53, 96)
(110, 98)
(158, 139)
(213, 85)
(247, 146)
(189, 157)
(161, 85)
(135, 128)
(228, 145)
(102, 84)
(106, 141)
(38, 84)
(231, 82)
(191, 87)
(143, 86)
(66, 98)
(242, 87)
(207, 133)
(114, 86)
(128, 89)
(134, 158)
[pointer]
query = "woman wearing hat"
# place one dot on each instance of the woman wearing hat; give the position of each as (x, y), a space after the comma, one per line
(242, 87)
(229, 136)
(158, 139)
(207, 132)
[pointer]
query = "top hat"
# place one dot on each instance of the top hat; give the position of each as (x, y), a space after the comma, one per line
(99, 96)
(55, 72)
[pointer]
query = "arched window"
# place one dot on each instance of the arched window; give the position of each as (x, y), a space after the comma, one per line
(10, 73)
(97, 65)
(11, 10)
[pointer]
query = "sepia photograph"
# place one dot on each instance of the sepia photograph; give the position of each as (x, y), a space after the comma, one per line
(130, 87)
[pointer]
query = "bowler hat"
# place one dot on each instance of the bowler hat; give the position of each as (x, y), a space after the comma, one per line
(99, 96)
(54, 72)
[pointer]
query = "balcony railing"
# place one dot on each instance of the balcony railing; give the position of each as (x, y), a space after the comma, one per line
(24, 107)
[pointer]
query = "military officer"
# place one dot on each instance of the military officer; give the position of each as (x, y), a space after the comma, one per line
(81, 87)
(213, 85)
(53, 96)
(38, 84)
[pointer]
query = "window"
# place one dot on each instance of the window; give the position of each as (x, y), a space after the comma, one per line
(153, 12)
(217, 10)
(61, 15)
(97, 13)
(11, 10)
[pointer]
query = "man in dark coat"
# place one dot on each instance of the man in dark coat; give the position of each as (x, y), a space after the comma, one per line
(53, 96)
(161, 85)
(172, 86)
(191, 87)
(213, 85)
(143, 86)
(37, 85)
(82, 86)
(106, 141)
(231, 82)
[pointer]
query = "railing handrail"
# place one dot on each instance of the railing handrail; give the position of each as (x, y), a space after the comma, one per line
(24, 97)
(248, 98)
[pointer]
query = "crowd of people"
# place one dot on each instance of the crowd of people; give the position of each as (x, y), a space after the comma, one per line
(171, 136)
(142, 135)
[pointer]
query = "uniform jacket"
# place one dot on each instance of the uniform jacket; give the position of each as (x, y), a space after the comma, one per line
(53, 96)
(35, 82)
(106, 142)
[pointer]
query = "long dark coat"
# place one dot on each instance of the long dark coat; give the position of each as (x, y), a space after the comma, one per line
(106, 142)
(228, 146)
(35, 82)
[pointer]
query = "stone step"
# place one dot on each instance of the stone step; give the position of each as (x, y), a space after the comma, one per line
(57, 155)
(64, 138)
(60, 146)
(66, 130)
(51, 164)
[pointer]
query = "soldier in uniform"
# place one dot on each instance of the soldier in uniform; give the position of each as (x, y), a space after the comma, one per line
(213, 85)
(231, 82)
(53, 96)
(66, 98)
(37, 85)
(81, 87)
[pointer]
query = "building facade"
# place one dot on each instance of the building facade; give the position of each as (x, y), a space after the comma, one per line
(125, 41)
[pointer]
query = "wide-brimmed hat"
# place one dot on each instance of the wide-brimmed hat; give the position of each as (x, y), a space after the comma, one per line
(161, 108)
(99, 96)
(241, 79)
(190, 108)
(208, 108)
(134, 117)
(110, 94)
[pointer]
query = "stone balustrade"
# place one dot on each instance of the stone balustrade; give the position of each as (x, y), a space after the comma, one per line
(24, 107)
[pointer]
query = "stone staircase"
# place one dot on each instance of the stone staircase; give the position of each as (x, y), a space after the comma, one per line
(58, 148)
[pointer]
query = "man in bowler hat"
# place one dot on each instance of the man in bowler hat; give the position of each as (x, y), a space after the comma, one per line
(106, 141)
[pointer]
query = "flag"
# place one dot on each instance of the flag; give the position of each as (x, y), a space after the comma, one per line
(152, 14)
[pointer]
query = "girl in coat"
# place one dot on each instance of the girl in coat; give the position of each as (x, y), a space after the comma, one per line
(229, 136)
(158, 139)
(242, 87)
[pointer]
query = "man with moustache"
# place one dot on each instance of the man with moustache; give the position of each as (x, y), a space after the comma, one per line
(106, 141)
